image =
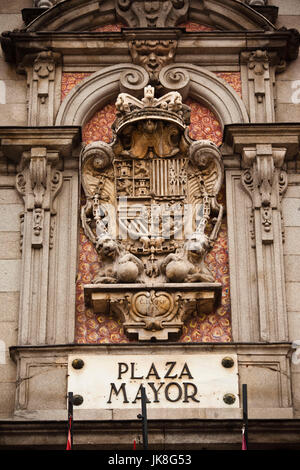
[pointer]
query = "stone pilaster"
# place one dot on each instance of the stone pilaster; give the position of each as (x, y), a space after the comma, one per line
(265, 182)
(256, 182)
(43, 82)
(38, 183)
(47, 180)
(258, 81)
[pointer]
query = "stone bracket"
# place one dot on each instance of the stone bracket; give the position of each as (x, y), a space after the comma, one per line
(39, 184)
(265, 182)
(153, 311)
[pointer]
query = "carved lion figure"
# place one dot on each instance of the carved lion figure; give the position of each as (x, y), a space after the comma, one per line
(187, 264)
(118, 265)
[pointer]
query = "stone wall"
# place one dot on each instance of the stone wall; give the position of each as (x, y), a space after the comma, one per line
(10, 263)
(14, 112)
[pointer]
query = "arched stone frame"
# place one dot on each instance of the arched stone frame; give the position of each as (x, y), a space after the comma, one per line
(207, 88)
(84, 15)
(97, 90)
(103, 86)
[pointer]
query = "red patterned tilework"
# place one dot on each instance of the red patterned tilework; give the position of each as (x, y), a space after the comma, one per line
(91, 328)
(110, 28)
(233, 79)
(99, 126)
(191, 26)
(70, 80)
(204, 124)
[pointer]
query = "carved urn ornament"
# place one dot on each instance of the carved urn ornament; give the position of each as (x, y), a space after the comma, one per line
(152, 214)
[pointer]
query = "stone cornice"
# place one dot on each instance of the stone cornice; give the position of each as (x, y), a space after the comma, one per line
(16, 140)
(279, 135)
(17, 44)
(16, 432)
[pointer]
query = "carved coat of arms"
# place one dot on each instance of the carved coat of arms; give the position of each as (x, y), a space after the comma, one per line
(152, 213)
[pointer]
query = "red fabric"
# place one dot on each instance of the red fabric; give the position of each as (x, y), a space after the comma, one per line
(69, 442)
(244, 445)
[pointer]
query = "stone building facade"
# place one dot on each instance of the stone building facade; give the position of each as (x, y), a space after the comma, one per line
(176, 123)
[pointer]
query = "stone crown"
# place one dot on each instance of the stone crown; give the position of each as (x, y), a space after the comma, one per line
(169, 107)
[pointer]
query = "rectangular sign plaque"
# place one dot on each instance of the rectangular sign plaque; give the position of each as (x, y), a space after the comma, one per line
(171, 381)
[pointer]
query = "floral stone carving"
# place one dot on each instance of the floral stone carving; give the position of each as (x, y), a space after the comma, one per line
(152, 213)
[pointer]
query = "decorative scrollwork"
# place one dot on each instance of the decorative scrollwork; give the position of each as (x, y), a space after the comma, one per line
(175, 78)
(134, 81)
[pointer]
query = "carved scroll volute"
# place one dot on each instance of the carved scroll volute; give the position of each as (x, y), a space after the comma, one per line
(205, 184)
(265, 182)
(98, 186)
(133, 81)
(174, 78)
(39, 185)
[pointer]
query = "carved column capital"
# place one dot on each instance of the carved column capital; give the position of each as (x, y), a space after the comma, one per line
(39, 184)
(265, 182)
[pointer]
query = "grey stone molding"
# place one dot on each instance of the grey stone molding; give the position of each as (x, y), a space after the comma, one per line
(47, 180)
(263, 149)
(47, 398)
(80, 15)
(103, 86)
(206, 87)
(99, 89)
(84, 51)
(164, 434)
(181, 299)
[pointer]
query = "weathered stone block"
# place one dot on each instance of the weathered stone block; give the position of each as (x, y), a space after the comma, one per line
(291, 212)
(9, 196)
(292, 271)
(10, 217)
(7, 392)
(47, 387)
(292, 295)
(294, 326)
(17, 114)
(10, 245)
(292, 241)
(11, 302)
(10, 271)
(8, 333)
(287, 112)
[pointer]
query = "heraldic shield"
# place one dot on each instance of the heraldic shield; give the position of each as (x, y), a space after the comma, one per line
(152, 213)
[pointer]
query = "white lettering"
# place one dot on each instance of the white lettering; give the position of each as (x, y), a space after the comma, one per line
(2, 92)
(296, 94)
(2, 352)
